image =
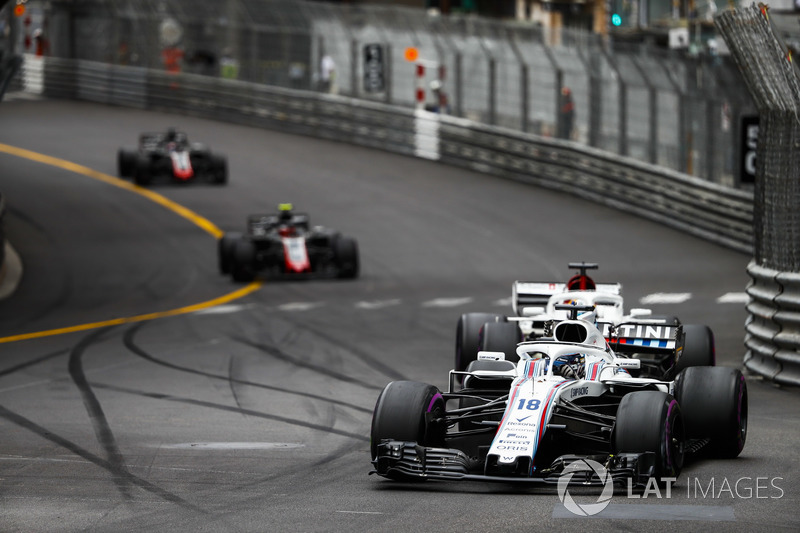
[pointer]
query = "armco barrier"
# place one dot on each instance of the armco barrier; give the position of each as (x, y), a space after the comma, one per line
(773, 328)
(704, 209)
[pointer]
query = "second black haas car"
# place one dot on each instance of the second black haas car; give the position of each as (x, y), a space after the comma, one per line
(284, 245)
(170, 158)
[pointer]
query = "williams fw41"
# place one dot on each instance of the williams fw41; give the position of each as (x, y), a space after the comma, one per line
(170, 158)
(283, 245)
(567, 400)
(663, 345)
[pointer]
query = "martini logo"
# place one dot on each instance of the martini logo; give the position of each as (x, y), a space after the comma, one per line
(583, 468)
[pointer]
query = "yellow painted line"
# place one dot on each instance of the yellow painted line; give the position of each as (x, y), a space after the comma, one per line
(235, 295)
(193, 217)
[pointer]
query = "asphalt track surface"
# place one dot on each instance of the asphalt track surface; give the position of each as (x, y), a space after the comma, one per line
(254, 415)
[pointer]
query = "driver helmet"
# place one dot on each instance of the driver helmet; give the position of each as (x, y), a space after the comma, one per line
(285, 213)
(570, 366)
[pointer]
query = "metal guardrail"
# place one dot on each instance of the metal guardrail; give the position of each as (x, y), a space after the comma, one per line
(773, 328)
(707, 210)
(698, 207)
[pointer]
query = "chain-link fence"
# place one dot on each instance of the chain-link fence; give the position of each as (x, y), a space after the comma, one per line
(655, 105)
(773, 326)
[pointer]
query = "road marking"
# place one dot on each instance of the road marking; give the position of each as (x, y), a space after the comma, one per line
(643, 511)
(378, 304)
(447, 302)
(734, 298)
(202, 222)
(223, 309)
(244, 291)
(503, 302)
(666, 298)
(300, 306)
(176, 208)
(359, 512)
(232, 446)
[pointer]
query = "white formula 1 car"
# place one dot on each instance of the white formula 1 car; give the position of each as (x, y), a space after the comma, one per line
(567, 400)
(663, 345)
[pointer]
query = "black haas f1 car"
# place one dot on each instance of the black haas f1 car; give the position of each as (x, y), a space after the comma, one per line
(567, 411)
(170, 157)
(284, 245)
(663, 345)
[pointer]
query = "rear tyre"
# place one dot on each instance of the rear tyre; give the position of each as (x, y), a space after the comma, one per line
(225, 247)
(714, 403)
(484, 388)
(142, 173)
(126, 162)
(698, 347)
(468, 337)
(243, 266)
(408, 411)
(219, 170)
(345, 251)
(502, 337)
(651, 421)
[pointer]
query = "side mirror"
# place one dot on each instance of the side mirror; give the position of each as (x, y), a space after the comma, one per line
(532, 311)
(628, 364)
(491, 356)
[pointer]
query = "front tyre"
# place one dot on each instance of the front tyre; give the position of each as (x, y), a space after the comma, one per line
(408, 411)
(714, 403)
(651, 421)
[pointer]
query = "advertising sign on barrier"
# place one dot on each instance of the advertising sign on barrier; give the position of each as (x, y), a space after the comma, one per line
(748, 143)
(374, 78)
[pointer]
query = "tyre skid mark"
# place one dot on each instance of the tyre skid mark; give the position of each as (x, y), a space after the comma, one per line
(364, 357)
(96, 414)
(113, 469)
(130, 343)
(279, 354)
(249, 412)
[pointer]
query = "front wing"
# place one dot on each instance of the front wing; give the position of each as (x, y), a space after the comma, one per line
(409, 461)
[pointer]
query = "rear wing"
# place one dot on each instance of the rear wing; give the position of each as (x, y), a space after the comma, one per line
(537, 293)
(643, 337)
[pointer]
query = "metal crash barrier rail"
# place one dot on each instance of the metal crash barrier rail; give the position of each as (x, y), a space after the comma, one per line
(720, 214)
(707, 210)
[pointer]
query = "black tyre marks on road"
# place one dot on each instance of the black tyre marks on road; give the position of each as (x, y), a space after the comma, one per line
(113, 463)
(33, 362)
(130, 344)
(113, 468)
(365, 357)
(95, 411)
(277, 353)
(238, 410)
